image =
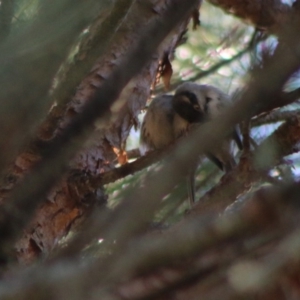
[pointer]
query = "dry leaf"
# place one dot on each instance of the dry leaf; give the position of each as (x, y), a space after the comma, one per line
(166, 72)
(196, 19)
(121, 155)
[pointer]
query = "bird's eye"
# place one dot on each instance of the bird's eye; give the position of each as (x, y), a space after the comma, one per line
(208, 99)
(196, 107)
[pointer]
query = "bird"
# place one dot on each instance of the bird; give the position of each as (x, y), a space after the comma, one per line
(169, 117)
(213, 101)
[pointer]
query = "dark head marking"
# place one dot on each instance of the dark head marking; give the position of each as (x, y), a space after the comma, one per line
(207, 100)
(186, 105)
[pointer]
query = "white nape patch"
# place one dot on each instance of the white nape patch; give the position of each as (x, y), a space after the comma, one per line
(143, 149)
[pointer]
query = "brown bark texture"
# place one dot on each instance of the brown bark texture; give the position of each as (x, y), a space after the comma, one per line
(68, 203)
(239, 241)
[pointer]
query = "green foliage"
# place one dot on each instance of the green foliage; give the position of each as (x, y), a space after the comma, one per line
(219, 37)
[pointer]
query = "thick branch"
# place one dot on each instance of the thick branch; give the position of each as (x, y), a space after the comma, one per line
(16, 212)
(6, 16)
(283, 140)
(270, 14)
(92, 48)
(260, 93)
(191, 240)
(28, 64)
(274, 117)
(282, 100)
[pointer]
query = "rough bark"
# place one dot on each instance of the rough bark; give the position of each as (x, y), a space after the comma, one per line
(261, 239)
(204, 255)
(67, 204)
(270, 14)
(27, 87)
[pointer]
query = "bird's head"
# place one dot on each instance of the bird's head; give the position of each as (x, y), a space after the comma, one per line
(186, 105)
(210, 99)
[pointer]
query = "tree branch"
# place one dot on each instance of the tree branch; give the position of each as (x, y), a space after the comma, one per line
(261, 91)
(17, 211)
(27, 87)
(274, 117)
(235, 183)
(92, 48)
(270, 15)
(6, 16)
(192, 240)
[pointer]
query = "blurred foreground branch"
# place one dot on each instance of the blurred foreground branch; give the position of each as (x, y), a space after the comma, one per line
(16, 212)
(28, 65)
(216, 257)
(261, 91)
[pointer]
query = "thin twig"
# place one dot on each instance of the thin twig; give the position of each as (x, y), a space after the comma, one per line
(247, 173)
(206, 73)
(274, 117)
(260, 93)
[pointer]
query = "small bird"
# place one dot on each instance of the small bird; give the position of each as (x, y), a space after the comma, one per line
(213, 101)
(170, 117)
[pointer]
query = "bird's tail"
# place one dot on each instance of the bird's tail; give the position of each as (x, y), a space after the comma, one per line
(190, 183)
